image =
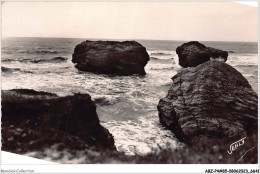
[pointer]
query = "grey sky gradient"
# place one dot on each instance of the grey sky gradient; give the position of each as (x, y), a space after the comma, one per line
(203, 21)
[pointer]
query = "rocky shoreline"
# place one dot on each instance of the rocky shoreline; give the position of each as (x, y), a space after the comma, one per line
(208, 102)
(208, 98)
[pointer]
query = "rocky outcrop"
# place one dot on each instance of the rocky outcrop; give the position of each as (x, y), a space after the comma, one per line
(193, 53)
(111, 57)
(33, 120)
(213, 100)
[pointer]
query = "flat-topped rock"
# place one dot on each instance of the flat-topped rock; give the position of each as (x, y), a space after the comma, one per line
(193, 53)
(111, 57)
(213, 100)
(33, 120)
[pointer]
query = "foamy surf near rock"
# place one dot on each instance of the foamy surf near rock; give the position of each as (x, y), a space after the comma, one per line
(194, 53)
(111, 57)
(33, 120)
(212, 99)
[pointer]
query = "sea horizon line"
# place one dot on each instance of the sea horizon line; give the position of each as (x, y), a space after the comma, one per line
(169, 40)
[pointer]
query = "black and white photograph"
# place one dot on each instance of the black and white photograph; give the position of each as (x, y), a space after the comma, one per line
(146, 82)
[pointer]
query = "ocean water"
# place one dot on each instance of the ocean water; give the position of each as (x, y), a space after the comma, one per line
(126, 105)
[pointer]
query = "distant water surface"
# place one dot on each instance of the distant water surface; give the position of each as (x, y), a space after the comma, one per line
(127, 106)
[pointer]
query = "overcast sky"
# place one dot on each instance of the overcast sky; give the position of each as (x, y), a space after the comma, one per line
(212, 21)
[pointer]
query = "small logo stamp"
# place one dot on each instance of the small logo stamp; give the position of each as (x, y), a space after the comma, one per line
(235, 145)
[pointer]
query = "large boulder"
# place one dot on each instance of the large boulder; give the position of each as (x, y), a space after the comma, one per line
(33, 120)
(111, 57)
(194, 53)
(210, 100)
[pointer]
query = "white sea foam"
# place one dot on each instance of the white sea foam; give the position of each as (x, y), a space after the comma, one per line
(140, 137)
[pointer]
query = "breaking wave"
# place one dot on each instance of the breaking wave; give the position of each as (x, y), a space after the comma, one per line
(11, 70)
(52, 60)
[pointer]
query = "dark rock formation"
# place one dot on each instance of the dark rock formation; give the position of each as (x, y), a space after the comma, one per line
(111, 57)
(213, 100)
(194, 53)
(33, 120)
